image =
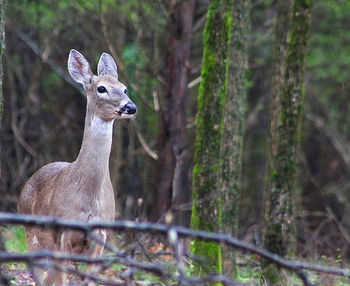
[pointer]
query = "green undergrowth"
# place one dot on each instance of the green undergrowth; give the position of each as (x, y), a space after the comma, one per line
(14, 239)
(249, 271)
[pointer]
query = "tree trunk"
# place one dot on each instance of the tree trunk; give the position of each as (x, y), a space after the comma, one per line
(178, 61)
(286, 109)
(173, 186)
(280, 53)
(2, 51)
(206, 209)
(232, 137)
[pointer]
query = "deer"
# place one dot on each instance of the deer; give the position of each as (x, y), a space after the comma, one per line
(80, 190)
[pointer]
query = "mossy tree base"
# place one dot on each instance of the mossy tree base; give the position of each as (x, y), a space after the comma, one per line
(211, 254)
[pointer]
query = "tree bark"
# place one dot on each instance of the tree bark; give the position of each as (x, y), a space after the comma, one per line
(232, 137)
(178, 61)
(173, 186)
(2, 51)
(286, 110)
(274, 236)
(206, 209)
(280, 53)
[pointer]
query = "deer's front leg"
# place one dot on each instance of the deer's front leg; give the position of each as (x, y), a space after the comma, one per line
(56, 276)
(39, 273)
(96, 250)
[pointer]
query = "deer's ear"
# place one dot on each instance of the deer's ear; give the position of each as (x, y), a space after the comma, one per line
(79, 67)
(107, 66)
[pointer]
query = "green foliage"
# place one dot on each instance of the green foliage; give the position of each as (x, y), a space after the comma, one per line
(328, 62)
(15, 239)
(43, 13)
(248, 274)
(131, 10)
(148, 278)
(133, 59)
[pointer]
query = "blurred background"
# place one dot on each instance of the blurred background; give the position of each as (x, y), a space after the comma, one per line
(44, 110)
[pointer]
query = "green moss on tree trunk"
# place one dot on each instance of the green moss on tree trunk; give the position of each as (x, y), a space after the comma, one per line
(233, 116)
(206, 211)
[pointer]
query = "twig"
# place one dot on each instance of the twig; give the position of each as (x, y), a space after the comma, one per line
(107, 38)
(22, 141)
(145, 146)
(341, 228)
(333, 135)
(194, 82)
(34, 47)
(199, 24)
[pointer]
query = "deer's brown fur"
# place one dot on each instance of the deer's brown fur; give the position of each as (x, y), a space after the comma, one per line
(81, 190)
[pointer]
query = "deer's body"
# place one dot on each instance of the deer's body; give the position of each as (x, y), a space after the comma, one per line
(81, 190)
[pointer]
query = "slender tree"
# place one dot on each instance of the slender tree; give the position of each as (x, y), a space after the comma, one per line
(172, 183)
(206, 210)
(233, 116)
(286, 110)
(178, 62)
(2, 51)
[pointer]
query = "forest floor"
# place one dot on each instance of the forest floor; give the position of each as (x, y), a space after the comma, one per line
(18, 275)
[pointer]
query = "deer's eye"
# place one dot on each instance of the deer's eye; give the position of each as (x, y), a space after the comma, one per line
(101, 89)
(126, 91)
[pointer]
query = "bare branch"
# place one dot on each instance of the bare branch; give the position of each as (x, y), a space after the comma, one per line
(34, 47)
(22, 141)
(194, 82)
(295, 266)
(145, 146)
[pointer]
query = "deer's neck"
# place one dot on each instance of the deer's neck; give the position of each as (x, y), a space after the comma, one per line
(92, 164)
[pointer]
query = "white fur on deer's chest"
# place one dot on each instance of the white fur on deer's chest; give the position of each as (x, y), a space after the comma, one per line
(94, 201)
(95, 205)
(99, 204)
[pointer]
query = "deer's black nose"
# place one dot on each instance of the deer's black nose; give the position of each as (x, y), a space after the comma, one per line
(130, 108)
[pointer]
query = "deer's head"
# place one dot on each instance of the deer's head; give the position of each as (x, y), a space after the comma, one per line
(107, 97)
